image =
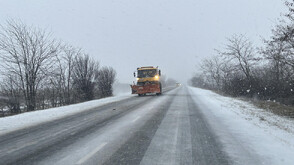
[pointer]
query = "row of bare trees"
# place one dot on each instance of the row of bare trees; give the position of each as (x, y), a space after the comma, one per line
(241, 69)
(39, 72)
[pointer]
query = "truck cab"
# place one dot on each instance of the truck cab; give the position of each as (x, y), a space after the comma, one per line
(147, 74)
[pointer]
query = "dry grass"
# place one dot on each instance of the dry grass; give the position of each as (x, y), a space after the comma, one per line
(270, 106)
(276, 108)
(273, 107)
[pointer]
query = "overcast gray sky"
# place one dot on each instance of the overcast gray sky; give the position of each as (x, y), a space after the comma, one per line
(126, 34)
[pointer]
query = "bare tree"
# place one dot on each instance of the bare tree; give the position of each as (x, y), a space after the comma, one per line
(240, 51)
(84, 75)
(12, 94)
(69, 55)
(106, 78)
(275, 52)
(212, 67)
(27, 53)
(2, 105)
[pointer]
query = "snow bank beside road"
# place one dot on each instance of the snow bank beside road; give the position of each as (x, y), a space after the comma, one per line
(249, 134)
(12, 123)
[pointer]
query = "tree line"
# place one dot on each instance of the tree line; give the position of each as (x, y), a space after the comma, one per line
(241, 69)
(38, 71)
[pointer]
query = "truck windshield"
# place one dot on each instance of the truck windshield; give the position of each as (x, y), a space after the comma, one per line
(146, 73)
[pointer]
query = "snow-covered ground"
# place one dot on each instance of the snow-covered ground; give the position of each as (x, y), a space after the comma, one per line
(12, 123)
(247, 131)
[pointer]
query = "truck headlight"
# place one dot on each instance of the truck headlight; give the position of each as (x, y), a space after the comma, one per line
(156, 77)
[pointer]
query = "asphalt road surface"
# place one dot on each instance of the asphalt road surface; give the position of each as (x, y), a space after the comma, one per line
(167, 129)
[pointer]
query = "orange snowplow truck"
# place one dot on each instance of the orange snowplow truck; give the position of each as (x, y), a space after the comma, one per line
(148, 81)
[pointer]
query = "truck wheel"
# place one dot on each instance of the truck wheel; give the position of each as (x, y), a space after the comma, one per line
(139, 94)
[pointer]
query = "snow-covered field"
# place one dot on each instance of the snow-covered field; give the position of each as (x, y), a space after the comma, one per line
(239, 124)
(12, 123)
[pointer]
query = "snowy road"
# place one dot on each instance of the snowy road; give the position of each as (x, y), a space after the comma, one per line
(179, 127)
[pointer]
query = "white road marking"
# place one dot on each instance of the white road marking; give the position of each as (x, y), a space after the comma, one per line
(84, 159)
(136, 119)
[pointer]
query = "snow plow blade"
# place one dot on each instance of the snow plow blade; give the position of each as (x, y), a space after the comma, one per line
(147, 88)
